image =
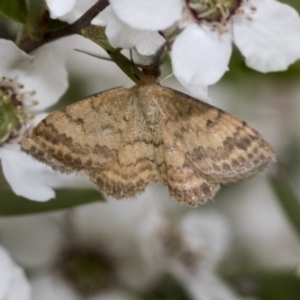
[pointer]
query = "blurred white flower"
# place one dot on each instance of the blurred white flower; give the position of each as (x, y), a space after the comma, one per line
(91, 251)
(62, 265)
(267, 33)
(191, 249)
(208, 286)
(13, 283)
(99, 250)
(28, 85)
(264, 235)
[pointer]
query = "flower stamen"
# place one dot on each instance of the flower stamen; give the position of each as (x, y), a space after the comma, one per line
(13, 114)
(213, 10)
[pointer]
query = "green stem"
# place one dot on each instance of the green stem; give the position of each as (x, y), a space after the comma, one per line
(97, 35)
(29, 45)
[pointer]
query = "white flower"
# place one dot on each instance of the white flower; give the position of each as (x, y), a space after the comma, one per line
(267, 33)
(119, 34)
(190, 249)
(43, 76)
(13, 283)
(43, 243)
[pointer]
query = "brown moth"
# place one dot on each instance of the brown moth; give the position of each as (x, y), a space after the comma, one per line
(124, 139)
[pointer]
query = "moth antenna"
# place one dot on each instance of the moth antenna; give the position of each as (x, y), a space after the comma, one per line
(157, 59)
(166, 77)
(109, 59)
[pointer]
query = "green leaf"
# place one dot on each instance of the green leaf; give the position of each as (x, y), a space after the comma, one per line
(287, 197)
(14, 9)
(167, 287)
(280, 287)
(293, 3)
(12, 205)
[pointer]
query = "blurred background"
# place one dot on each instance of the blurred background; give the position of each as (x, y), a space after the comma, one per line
(101, 250)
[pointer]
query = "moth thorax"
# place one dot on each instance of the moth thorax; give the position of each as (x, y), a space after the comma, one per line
(149, 109)
(147, 93)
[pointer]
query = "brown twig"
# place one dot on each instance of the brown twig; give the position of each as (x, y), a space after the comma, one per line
(28, 45)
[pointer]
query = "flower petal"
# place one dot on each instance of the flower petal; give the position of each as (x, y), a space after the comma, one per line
(152, 232)
(207, 285)
(206, 233)
(5, 272)
(50, 83)
(121, 35)
(13, 283)
(81, 6)
(33, 71)
(268, 35)
(19, 287)
(29, 231)
(200, 57)
(59, 8)
(148, 14)
(32, 179)
(148, 42)
(103, 18)
(24, 174)
(48, 287)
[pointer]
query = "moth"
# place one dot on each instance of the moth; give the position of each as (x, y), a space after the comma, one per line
(126, 138)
